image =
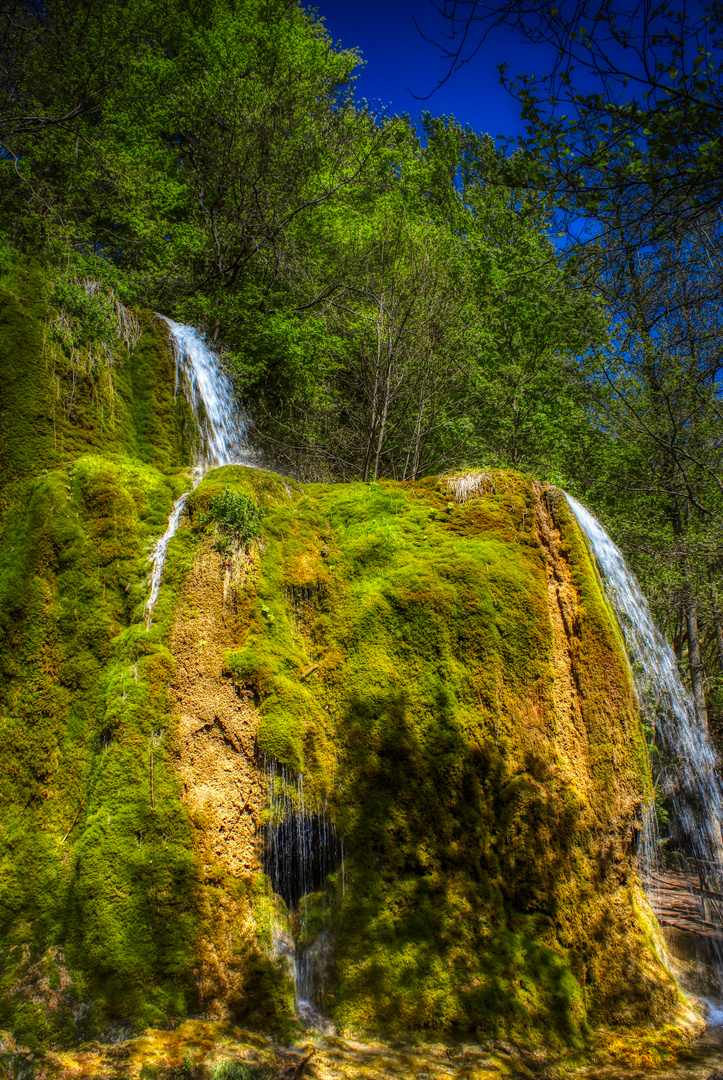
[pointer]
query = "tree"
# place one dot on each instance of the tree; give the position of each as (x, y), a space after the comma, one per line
(409, 327)
(450, 330)
(175, 142)
(656, 390)
(633, 101)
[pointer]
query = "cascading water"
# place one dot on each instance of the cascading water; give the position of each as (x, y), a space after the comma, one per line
(222, 428)
(222, 425)
(301, 849)
(689, 765)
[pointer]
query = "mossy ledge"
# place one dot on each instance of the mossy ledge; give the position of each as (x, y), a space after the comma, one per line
(445, 674)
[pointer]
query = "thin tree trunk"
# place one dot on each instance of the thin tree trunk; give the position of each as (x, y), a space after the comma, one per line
(696, 666)
(717, 623)
(416, 438)
(383, 423)
(375, 398)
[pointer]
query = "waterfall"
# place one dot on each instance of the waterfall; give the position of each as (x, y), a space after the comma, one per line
(222, 427)
(301, 849)
(688, 774)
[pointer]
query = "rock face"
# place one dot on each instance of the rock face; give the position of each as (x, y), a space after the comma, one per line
(435, 660)
(216, 725)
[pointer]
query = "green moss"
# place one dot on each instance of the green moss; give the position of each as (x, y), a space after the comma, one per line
(94, 865)
(408, 671)
(59, 402)
(285, 714)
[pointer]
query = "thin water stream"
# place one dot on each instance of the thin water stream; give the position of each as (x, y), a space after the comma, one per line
(687, 763)
(157, 558)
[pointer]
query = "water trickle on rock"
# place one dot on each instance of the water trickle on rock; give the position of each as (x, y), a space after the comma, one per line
(688, 772)
(222, 427)
(301, 849)
(157, 558)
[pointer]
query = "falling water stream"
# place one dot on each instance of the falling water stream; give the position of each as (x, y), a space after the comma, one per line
(157, 558)
(302, 848)
(222, 425)
(688, 769)
(222, 428)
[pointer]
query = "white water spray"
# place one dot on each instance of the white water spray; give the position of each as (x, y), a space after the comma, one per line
(222, 425)
(222, 428)
(689, 763)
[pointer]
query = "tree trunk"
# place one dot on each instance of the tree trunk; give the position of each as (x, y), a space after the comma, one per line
(696, 666)
(418, 433)
(383, 421)
(717, 623)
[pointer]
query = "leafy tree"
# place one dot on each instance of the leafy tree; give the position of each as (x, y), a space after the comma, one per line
(408, 326)
(633, 100)
(449, 332)
(174, 142)
(656, 390)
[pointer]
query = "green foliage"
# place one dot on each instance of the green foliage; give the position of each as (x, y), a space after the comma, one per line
(88, 312)
(655, 137)
(116, 180)
(237, 517)
(388, 306)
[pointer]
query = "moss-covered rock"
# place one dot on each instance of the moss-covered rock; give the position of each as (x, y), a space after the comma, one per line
(59, 400)
(444, 675)
(449, 681)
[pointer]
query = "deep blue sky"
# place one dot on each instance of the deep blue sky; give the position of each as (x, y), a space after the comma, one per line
(398, 61)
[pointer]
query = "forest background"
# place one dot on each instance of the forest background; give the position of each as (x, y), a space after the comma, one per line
(396, 298)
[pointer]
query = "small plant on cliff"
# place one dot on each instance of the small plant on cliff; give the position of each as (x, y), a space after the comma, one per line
(237, 518)
(90, 314)
(237, 1070)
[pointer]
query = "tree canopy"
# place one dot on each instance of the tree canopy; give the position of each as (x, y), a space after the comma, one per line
(632, 99)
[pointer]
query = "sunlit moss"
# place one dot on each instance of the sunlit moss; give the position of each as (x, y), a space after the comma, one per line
(402, 653)
(486, 868)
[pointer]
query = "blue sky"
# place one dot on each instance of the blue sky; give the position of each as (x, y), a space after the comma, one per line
(398, 61)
